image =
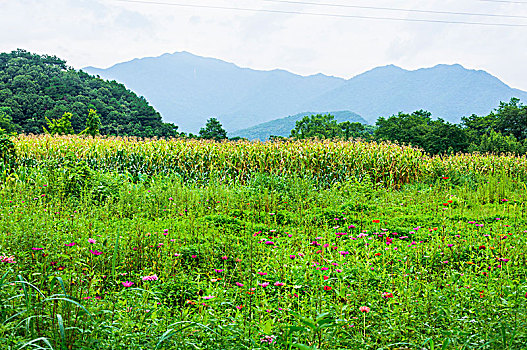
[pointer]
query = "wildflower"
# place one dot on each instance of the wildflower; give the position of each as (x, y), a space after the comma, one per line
(482, 247)
(218, 270)
(239, 307)
(327, 288)
(279, 284)
(387, 295)
(224, 258)
(91, 240)
(265, 284)
(239, 284)
(193, 256)
(269, 339)
(37, 248)
(127, 284)
(364, 309)
(376, 221)
(150, 278)
(70, 244)
(262, 273)
(325, 278)
(377, 254)
(95, 252)
(208, 297)
(445, 177)
(269, 242)
(7, 259)
(292, 257)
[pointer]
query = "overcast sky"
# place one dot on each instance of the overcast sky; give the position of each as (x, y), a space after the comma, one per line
(101, 33)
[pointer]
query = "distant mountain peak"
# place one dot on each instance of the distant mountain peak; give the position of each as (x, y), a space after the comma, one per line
(188, 89)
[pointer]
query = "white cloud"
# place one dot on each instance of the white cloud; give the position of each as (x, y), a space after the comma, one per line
(104, 32)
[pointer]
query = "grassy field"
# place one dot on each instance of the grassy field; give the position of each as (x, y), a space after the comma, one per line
(122, 244)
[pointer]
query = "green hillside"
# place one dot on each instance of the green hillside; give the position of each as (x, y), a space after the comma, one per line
(35, 87)
(283, 126)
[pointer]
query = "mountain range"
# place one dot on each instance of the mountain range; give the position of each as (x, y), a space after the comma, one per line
(188, 89)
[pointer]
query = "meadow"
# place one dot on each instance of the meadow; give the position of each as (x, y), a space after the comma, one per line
(119, 243)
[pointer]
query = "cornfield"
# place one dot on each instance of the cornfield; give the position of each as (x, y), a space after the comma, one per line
(327, 162)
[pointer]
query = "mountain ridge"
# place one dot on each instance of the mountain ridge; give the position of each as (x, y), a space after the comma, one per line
(188, 89)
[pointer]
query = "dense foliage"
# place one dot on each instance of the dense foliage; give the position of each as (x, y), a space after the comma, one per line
(35, 87)
(103, 246)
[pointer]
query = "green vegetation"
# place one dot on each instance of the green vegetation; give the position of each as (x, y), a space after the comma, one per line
(184, 244)
(35, 90)
(213, 131)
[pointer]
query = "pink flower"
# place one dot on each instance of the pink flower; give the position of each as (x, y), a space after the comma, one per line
(91, 240)
(208, 297)
(150, 278)
(127, 284)
(364, 309)
(7, 259)
(239, 307)
(239, 284)
(224, 258)
(265, 284)
(262, 273)
(95, 252)
(218, 270)
(37, 248)
(269, 339)
(193, 256)
(292, 257)
(70, 244)
(279, 284)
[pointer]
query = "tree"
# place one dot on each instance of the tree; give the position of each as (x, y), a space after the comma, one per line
(319, 126)
(6, 122)
(418, 129)
(213, 130)
(512, 119)
(93, 122)
(60, 126)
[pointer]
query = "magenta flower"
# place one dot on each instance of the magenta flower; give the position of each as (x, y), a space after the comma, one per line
(194, 256)
(218, 270)
(269, 242)
(7, 259)
(279, 284)
(91, 240)
(224, 258)
(37, 248)
(265, 284)
(208, 297)
(292, 257)
(70, 244)
(127, 284)
(95, 252)
(150, 278)
(262, 273)
(239, 284)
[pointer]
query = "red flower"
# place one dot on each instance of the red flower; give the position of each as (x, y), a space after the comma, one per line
(449, 202)
(445, 177)
(376, 221)
(482, 247)
(326, 278)
(327, 288)
(377, 254)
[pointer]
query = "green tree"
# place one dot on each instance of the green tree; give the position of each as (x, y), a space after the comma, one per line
(213, 130)
(60, 126)
(418, 129)
(93, 122)
(6, 122)
(495, 142)
(319, 126)
(512, 119)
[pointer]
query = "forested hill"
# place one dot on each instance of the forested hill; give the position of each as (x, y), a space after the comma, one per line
(33, 87)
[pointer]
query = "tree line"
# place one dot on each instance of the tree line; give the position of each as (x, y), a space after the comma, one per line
(504, 130)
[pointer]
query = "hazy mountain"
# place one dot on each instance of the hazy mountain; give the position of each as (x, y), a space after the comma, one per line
(189, 89)
(448, 91)
(283, 126)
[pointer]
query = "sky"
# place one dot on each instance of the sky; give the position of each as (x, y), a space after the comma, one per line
(329, 40)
